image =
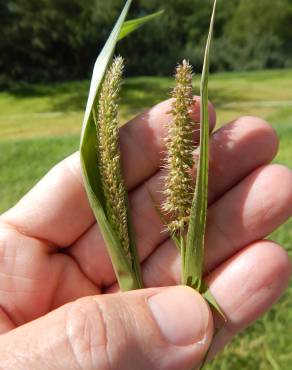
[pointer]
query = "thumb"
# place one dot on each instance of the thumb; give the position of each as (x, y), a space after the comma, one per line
(161, 328)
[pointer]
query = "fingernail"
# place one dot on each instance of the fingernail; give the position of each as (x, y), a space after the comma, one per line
(181, 315)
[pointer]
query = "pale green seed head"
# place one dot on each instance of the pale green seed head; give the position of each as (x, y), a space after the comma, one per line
(178, 185)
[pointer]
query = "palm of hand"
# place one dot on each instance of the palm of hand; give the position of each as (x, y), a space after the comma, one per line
(51, 251)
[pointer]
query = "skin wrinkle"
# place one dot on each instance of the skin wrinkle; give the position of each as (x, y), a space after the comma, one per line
(60, 280)
(15, 359)
(109, 359)
(8, 321)
(15, 312)
(174, 279)
(48, 245)
(92, 346)
(54, 287)
(54, 297)
(223, 233)
(4, 274)
(88, 269)
(160, 268)
(13, 277)
(84, 331)
(71, 346)
(18, 312)
(9, 225)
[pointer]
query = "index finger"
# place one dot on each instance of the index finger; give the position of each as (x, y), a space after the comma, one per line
(57, 210)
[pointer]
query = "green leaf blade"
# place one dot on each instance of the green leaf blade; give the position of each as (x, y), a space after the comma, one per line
(127, 277)
(194, 251)
(101, 65)
(128, 272)
(133, 24)
(207, 294)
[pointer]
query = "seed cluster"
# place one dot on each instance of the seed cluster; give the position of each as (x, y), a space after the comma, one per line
(109, 153)
(178, 184)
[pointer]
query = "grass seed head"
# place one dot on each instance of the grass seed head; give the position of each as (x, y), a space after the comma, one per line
(178, 185)
(109, 152)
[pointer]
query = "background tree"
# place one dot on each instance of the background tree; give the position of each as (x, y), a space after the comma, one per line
(45, 40)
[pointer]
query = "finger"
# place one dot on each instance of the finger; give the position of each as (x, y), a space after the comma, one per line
(248, 138)
(248, 212)
(237, 149)
(57, 209)
(245, 286)
(163, 329)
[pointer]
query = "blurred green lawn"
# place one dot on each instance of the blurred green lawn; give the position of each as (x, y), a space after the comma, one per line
(40, 125)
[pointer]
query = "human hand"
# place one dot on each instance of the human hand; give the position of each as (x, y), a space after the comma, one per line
(52, 255)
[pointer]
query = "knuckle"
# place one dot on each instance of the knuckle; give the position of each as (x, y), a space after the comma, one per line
(254, 120)
(255, 124)
(86, 335)
(283, 175)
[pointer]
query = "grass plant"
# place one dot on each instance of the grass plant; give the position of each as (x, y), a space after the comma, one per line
(104, 184)
(100, 158)
(103, 177)
(37, 147)
(107, 127)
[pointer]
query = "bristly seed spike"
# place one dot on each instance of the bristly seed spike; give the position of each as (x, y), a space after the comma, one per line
(109, 161)
(179, 161)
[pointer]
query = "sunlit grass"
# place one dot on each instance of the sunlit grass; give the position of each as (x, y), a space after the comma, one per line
(56, 110)
(29, 160)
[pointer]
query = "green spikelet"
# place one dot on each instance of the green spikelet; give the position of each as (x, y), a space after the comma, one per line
(178, 183)
(110, 161)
